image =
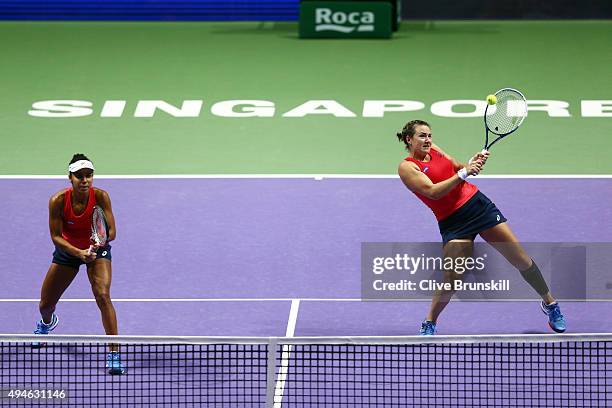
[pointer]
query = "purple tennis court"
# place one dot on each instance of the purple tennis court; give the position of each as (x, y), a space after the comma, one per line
(279, 258)
(230, 255)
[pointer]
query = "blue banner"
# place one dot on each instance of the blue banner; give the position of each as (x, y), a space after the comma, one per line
(151, 10)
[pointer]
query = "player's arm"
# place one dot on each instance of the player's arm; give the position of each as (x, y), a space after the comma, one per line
(418, 182)
(457, 165)
(104, 201)
(56, 205)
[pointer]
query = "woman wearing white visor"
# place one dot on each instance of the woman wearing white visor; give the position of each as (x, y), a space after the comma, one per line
(70, 220)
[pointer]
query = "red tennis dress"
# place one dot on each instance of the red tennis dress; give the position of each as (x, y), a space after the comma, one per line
(437, 169)
(76, 229)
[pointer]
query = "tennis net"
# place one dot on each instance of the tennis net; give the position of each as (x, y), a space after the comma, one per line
(442, 371)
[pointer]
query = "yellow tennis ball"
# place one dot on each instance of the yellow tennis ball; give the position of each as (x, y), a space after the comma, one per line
(491, 99)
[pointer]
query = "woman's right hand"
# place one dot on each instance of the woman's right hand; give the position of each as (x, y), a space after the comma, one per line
(474, 167)
(88, 255)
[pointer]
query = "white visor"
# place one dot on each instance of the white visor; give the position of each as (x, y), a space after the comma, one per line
(81, 164)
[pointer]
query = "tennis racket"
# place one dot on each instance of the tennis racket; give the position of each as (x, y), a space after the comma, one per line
(505, 116)
(99, 228)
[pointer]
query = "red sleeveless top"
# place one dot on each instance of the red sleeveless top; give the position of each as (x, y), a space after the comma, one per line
(76, 229)
(437, 169)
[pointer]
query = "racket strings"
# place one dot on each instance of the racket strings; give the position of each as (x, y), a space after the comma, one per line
(99, 227)
(508, 114)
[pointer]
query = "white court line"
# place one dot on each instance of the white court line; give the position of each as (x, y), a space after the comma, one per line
(279, 388)
(170, 300)
(198, 300)
(293, 314)
(297, 176)
(299, 300)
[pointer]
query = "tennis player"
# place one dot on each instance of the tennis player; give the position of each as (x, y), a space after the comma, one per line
(463, 212)
(70, 220)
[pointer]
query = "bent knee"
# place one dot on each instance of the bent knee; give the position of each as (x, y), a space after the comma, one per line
(103, 298)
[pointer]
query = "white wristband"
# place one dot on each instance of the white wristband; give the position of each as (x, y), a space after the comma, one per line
(463, 174)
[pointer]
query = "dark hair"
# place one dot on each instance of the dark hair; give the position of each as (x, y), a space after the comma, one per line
(77, 157)
(408, 130)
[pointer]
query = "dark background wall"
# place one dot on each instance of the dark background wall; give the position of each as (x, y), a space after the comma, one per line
(288, 10)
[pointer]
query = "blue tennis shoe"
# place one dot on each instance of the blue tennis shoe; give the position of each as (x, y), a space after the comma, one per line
(428, 328)
(556, 321)
(113, 363)
(45, 328)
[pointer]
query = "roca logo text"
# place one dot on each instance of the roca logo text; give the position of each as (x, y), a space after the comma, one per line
(327, 16)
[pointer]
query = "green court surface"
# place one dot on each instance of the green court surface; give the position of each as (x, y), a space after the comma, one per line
(213, 62)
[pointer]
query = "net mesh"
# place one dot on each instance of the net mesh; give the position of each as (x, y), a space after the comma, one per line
(450, 375)
(157, 375)
(318, 372)
(508, 113)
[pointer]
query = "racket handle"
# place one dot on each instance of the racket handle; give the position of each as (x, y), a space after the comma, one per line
(90, 249)
(483, 151)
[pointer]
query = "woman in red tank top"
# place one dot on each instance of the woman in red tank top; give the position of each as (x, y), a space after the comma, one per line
(463, 212)
(70, 219)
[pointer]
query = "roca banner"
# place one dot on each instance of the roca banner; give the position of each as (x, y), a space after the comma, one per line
(341, 19)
